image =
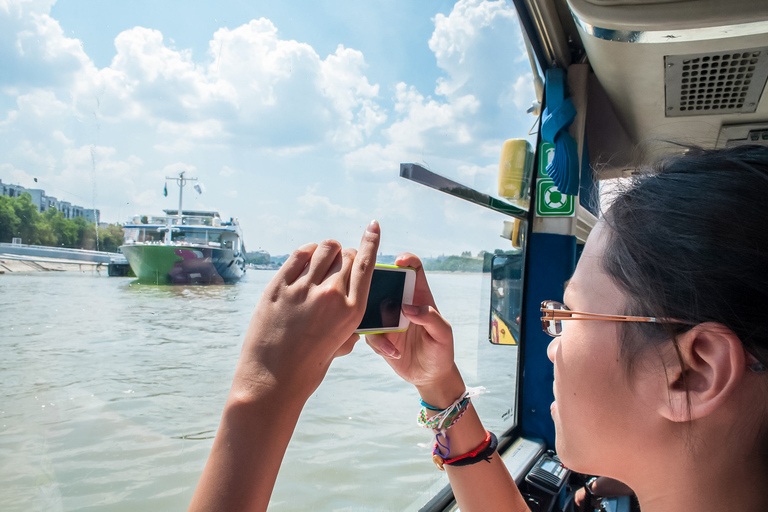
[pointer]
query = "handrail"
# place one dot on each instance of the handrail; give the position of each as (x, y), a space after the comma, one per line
(417, 173)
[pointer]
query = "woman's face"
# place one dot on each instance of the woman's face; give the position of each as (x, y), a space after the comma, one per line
(599, 414)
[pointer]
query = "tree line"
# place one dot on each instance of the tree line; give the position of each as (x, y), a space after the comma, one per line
(19, 218)
(466, 262)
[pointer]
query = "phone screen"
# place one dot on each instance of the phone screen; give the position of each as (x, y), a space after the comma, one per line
(384, 300)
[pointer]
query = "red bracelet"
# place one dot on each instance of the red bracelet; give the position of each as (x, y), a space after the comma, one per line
(474, 452)
(439, 461)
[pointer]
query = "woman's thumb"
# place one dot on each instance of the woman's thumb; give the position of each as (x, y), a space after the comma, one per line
(429, 318)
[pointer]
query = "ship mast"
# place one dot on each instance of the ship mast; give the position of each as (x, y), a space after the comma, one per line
(180, 181)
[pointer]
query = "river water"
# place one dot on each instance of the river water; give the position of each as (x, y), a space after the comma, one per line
(111, 393)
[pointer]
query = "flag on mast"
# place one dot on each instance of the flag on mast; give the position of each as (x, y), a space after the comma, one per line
(165, 190)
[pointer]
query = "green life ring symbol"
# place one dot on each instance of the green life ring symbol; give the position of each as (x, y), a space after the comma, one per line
(554, 198)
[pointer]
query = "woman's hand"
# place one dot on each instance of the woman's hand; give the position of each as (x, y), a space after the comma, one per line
(307, 315)
(422, 355)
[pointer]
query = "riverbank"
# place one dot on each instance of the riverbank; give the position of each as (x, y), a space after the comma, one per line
(15, 258)
(10, 263)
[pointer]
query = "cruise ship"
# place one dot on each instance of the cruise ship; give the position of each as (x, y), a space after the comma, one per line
(191, 247)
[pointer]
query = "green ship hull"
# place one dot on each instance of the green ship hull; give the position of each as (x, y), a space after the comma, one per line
(173, 264)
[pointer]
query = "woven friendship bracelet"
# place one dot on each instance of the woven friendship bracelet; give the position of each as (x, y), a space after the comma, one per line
(448, 415)
(441, 421)
(427, 406)
(445, 419)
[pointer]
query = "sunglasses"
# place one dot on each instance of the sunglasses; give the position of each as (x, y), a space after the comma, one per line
(553, 313)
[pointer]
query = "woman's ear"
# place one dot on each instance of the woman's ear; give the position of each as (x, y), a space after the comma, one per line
(713, 363)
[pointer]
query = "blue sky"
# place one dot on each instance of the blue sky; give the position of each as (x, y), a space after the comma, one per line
(294, 115)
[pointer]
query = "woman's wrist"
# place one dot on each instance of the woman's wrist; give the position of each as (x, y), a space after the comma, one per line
(443, 391)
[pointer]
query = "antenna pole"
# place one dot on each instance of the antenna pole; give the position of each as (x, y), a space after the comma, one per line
(180, 181)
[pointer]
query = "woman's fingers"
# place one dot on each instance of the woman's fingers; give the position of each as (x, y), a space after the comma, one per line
(322, 259)
(348, 256)
(429, 318)
(347, 346)
(337, 264)
(382, 346)
(406, 259)
(421, 292)
(362, 268)
(296, 263)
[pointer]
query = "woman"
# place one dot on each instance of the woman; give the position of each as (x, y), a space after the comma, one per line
(669, 394)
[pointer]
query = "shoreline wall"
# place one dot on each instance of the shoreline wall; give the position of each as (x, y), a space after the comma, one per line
(10, 265)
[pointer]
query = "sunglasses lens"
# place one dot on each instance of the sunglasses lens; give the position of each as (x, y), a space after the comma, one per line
(552, 327)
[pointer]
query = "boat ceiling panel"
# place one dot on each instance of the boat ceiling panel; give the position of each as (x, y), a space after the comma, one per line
(670, 17)
(627, 47)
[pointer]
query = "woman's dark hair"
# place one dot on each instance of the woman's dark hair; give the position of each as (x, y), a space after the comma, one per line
(689, 240)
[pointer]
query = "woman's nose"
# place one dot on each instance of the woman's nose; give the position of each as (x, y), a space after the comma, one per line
(552, 348)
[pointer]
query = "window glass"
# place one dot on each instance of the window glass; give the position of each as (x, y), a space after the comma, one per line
(293, 119)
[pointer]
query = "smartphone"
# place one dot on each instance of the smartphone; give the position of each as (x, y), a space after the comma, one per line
(391, 287)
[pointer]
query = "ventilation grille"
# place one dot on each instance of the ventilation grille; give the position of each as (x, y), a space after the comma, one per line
(715, 83)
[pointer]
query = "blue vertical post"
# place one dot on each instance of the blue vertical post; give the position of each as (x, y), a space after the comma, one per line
(551, 261)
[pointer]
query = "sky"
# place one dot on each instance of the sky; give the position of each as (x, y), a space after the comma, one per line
(293, 115)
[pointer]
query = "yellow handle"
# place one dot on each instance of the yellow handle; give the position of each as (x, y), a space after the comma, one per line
(515, 168)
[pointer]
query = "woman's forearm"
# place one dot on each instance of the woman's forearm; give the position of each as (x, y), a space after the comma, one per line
(254, 432)
(485, 485)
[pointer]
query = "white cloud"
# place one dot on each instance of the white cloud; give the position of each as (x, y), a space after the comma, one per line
(396, 200)
(37, 112)
(177, 168)
(520, 94)
(314, 205)
(12, 175)
(16, 8)
(283, 91)
(210, 128)
(476, 44)
(36, 155)
(178, 146)
(270, 91)
(423, 125)
(470, 173)
(227, 171)
(373, 160)
(425, 116)
(342, 80)
(59, 136)
(144, 201)
(93, 176)
(33, 49)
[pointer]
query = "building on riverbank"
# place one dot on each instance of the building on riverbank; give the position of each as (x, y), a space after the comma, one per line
(44, 202)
